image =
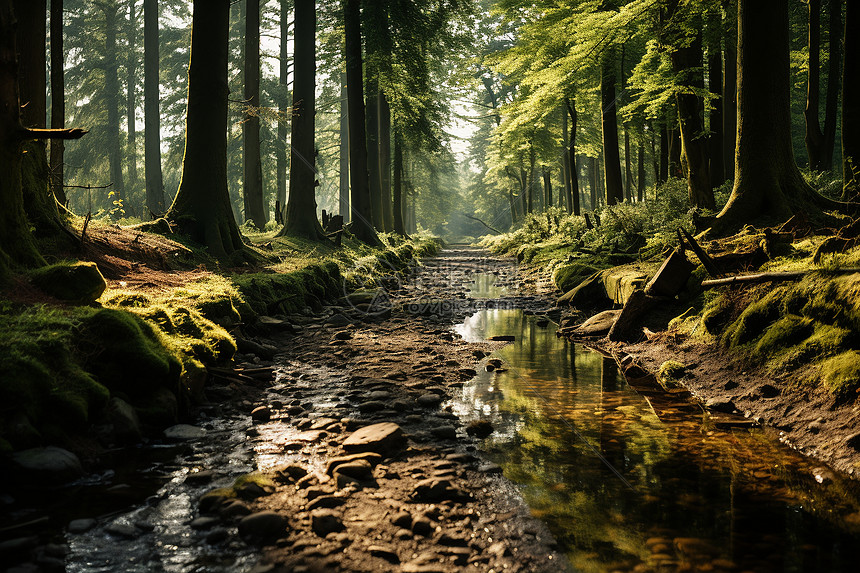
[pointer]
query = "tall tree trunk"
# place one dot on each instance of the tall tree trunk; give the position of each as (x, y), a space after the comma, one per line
(112, 104)
(397, 190)
(284, 111)
(371, 97)
(573, 193)
(362, 220)
(687, 63)
(344, 153)
(676, 168)
(131, 98)
(201, 208)
(152, 111)
(640, 179)
(547, 188)
(831, 104)
(730, 88)
(609, 125)
(593, 177)
(16, 242)
(58, 100)
(767, 181)
(566, 169)
(851, 104)
(301, 215)
(385, 161)
(717, 166)
(252, 188)
(655, 157)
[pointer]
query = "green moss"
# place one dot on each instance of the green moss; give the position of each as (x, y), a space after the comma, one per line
(841, 375)
(786, 332)
(670, 374)
(716, 315)
(753, 320)
(79, 282)
(567, 277)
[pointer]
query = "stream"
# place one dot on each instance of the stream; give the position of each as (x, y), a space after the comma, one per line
(619, 487)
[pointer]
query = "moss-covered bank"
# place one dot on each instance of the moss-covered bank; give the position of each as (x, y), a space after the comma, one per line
(148, 344)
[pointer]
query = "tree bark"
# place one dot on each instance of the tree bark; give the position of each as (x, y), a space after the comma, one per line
(58, 100)
(16, 241)
(767, 181)
(831, 104)
(202, 207)
(252, 189)
(573, 193)
(687, 61)
(385, 162)
(111, 69)
(851, 104)
(609, 126)
(301, 215)
(547, 188)
(640, 180)
(131, 99)
(397, 191)
(371, 97)
(730, 89)
(362, 219)
(717, 166)
(566, 169)
(344, 152)
(152, 109)
(663, 174)
(284, 111)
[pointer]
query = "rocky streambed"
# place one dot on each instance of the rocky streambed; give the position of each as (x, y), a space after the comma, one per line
(340, 452)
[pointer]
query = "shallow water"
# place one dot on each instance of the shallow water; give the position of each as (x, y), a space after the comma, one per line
(484, 286)
(621, 489)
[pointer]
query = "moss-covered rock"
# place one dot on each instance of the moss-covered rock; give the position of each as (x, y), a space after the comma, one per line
(566, 277)
(670, 374)
(77, 282)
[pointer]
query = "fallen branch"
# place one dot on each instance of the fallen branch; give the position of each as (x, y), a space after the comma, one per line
(493, 229)
(710, 266)
(774, 276)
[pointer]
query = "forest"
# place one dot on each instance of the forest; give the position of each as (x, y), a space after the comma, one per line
(450, 285)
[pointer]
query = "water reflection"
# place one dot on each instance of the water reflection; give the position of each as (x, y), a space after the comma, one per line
(484, 287)
(623, 491)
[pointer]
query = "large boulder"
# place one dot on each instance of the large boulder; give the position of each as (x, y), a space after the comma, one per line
(50, 464)
(80, 282)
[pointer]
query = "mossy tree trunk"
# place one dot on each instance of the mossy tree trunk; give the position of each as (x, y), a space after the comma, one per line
(609, 127)
(301, 213)
(58, 99)
(362, 214)
(201, 209)
(397, 189)
(820, 142)
(767, 181)
(851, 104)
(343, 180)
(730, 87)
(284, 110)
(252, 189)
(385, 161)
(151, 110)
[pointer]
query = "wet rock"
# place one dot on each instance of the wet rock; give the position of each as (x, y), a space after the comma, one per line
(263, 525)
(201, 477)
(50, 464)
(217, 535)
(343, 335)
(261, 414)
(122, 530)
(402, 519)
(379, 395)
(385, 438)
(271, 325)
(422, 526)
(720, 405)
(203, 523)
(467, 373)
(371, 458)
(460, 458)
(265, 351)
(251, 490)
(448, 540)
(479, 429)
(325, 521)
(17, 548)
(371, 406)
(383, 552)
(815, 426)
(445, 432)
(184, 432)
(123, 417)
(337, 321)
(438, 489)
(290, 472)
(360, 470)
(490, 468)
(429, 400)
(212, 500)
(234, 508)
(326, 502)
(77, 526)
